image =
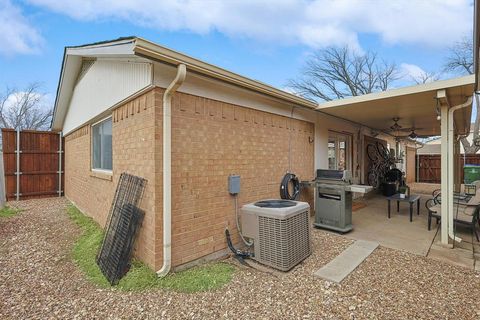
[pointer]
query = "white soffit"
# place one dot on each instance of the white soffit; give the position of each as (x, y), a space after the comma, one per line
(414, 105)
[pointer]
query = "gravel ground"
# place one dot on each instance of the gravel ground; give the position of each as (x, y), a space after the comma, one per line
(38, 280)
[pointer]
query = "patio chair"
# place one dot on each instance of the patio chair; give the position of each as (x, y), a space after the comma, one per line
(465, 214)
(436, 192)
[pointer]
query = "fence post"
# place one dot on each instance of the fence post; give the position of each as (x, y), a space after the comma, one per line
(2, 182)
(17, 173)
(60, 152)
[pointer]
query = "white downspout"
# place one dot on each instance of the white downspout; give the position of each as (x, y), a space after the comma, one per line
(167, 169)
(451, 131)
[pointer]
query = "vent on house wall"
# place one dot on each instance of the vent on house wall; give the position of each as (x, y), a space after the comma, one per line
(87, 63)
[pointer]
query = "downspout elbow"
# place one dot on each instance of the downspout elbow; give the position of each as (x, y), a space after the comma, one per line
(167, 169)
(457, 107)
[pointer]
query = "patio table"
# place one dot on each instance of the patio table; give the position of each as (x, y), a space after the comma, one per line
(411, 200)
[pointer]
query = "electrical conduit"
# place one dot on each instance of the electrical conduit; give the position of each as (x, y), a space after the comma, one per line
(167, 169)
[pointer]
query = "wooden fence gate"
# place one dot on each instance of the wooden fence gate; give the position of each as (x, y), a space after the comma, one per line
(429, 169)
(33, 164)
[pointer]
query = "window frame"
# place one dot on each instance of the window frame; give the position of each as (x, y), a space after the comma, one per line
(99, 170)
(337, 136)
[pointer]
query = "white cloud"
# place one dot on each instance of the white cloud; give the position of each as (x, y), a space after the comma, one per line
(412, 70)
(314, 23)
(44, 101)
(17, 35)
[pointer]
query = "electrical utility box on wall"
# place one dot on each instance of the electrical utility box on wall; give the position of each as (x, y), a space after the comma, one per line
(234, 184)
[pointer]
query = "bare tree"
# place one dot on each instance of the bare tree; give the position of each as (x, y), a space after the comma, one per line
(425, 77)
(335, 73)
(460, 61)
(460, 58)
(25, 109)
(474, 147)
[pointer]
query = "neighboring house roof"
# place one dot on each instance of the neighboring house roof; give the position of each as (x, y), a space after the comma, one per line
(138, 47)
(434, 146)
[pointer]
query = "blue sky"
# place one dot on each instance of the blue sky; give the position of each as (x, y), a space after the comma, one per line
(265, 40)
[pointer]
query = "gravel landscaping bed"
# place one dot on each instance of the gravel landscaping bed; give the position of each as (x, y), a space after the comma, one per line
(39, 280)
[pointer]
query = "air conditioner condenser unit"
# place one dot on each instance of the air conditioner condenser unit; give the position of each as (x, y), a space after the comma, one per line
(280, 230)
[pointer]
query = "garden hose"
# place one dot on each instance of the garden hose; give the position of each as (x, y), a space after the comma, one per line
(284, 193)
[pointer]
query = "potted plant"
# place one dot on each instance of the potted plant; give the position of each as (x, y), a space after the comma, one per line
(402, 190)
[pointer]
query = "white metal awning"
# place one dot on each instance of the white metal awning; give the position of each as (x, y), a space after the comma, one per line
(414, 105)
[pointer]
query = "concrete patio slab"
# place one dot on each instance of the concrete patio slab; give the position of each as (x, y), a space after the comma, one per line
(458, 256)
(372, 224)
(340, 267)
(462, 253)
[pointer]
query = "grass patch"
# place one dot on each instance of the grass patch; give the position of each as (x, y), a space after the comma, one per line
(140, 277)
(8, 212)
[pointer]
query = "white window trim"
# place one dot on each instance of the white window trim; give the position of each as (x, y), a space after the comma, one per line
(349, 147)
(92, 169)
(104, 171)
(100, 121)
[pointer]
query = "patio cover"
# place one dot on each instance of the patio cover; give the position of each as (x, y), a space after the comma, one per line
(419, 106)
(414, 105)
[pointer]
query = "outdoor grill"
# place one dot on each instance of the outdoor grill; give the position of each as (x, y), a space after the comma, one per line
(333, 200)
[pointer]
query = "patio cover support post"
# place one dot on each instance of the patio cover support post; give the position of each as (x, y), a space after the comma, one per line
(451, 165)
(444, 171)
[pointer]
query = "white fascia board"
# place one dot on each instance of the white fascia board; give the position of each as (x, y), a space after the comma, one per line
(71, 65)
(121, 48)
(431, 86)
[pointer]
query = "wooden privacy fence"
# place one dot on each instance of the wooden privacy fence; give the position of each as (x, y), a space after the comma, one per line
(429, 169)
(33, 164)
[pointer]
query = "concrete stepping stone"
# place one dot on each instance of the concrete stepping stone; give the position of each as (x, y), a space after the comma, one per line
(340, 267)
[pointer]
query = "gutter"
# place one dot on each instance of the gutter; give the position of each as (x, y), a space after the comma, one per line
(151, 50)
(167, 169)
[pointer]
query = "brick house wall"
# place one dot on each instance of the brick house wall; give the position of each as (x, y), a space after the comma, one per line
(210, 140)
(133, 144)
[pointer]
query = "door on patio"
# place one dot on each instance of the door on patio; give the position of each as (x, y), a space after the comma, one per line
(410, 164)
(339, 151)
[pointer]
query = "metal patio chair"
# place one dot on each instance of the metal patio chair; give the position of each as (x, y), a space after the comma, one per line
(465, 214)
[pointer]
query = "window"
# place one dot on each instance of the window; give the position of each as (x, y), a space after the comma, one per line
(339, 151)
(102, 145)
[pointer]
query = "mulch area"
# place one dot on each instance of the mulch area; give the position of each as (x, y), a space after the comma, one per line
(38, 280)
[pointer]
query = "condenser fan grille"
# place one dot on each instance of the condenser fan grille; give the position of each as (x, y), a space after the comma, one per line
(284, 242)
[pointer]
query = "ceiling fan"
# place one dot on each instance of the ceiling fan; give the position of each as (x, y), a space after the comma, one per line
(396, 129)
(395, 126)
(412, 134)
